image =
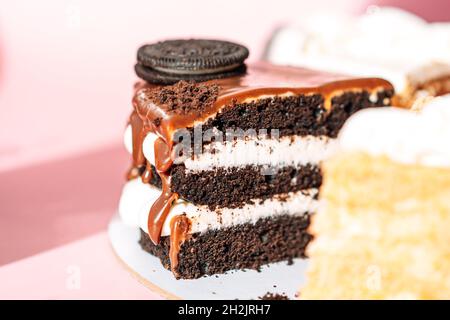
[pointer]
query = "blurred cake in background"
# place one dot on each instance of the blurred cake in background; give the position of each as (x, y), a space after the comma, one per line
(383, 230)
(385, 42)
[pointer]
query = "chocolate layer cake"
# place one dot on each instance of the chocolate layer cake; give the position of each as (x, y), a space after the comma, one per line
(226, 172)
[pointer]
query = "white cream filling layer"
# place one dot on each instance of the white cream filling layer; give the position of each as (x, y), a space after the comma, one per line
(285, 151)
(137, 199)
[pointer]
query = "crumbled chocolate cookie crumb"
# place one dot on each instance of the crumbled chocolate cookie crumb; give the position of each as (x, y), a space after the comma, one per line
(185, 97)
(157, 122)
(274, 296)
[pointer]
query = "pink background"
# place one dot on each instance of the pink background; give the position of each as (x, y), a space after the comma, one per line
(66, 74)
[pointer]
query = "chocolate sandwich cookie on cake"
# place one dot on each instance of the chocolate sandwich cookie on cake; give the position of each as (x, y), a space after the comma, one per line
(226, 156)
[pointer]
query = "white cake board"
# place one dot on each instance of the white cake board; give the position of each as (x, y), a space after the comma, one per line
(248, 284)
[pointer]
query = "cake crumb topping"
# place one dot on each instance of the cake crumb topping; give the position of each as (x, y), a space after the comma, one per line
(185, 97)
(274, 296)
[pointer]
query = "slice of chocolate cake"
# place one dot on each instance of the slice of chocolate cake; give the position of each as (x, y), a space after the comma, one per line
(226, 172)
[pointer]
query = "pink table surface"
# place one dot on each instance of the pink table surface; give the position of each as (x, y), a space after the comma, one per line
(85, 269)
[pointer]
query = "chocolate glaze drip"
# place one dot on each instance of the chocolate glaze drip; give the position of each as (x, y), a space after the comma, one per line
(147, 175)
(137, 138)
(141, 125)
(163, 159)
(179, 232)
(161, 208)
(262, 79)
(132, 173)
(138, 134)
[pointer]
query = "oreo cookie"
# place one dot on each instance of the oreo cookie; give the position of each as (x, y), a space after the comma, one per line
(197, 60)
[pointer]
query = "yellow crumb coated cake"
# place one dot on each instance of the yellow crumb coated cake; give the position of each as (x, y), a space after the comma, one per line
(384, 228)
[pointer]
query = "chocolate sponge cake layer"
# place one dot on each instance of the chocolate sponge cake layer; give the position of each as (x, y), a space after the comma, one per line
(246, 246)
(236, 186)
(296, 115)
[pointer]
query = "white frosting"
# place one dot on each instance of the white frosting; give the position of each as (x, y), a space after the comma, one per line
(286, 151)
(137, 199)
(148, 147)
(404, 136)
(386, 42)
